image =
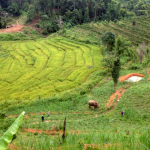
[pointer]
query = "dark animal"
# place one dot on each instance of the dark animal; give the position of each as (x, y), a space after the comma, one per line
(93, 103)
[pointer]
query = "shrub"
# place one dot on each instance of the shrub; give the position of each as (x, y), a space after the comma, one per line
(2, 115)
(36, 133)
(135, 66)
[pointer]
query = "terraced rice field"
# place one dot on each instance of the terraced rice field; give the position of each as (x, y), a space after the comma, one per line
(42, 68)
(140, 32)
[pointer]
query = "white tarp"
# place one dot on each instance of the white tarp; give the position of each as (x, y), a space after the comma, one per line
(134, 79)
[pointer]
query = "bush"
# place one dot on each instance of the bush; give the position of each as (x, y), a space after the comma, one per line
(135, 67)
(36, 133)
(2, 115)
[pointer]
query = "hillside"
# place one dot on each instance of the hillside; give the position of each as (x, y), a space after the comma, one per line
(46, 67)
(92, 32)
(60, 74)
(53, 15)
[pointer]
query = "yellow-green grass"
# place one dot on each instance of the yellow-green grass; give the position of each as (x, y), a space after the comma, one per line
(43, 68)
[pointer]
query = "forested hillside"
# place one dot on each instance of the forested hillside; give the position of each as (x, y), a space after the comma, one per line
(54, 14)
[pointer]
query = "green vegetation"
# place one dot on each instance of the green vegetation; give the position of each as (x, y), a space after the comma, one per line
(8, 135)
(62, 72)
(107, 131)
(53, 15)
(92, 32)
(27, 34)
(47, 68)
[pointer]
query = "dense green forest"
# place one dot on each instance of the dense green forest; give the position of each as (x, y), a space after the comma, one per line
(54, 14)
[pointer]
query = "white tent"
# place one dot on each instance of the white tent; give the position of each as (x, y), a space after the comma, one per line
(134, 79)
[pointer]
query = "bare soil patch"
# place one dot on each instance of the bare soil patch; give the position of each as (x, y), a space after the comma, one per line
(117, 94)
(14, 29)
(99, 146)
(18, 27)
(13, 147)
(49, 132)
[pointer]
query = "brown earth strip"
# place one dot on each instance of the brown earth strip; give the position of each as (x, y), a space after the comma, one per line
(15, 147)
(123, 78)
(100, 146)
(117, 95)
(49, 132)
(13, 29)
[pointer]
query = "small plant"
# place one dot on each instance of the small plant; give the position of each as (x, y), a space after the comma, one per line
(36, 133)
(134, 67)
(2, 115)
(134, 23)
(80, 143)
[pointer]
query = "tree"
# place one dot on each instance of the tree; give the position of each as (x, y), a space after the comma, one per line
(115, 72)
(119, 46)
(14, 8)
(109, 40)
(31, 13)
(86, 15)
(108, 62)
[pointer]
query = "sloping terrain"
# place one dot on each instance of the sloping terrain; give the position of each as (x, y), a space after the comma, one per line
(42, 68)
(88, 129)
(92, 32)
(46, 67)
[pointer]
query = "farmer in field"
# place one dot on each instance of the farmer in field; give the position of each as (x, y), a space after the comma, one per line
(48, 113)
(42, 118)
(122, 113)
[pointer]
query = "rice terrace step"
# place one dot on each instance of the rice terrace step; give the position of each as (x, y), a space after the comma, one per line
(43, 68)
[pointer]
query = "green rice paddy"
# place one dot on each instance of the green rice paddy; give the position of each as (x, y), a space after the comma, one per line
(44, 68)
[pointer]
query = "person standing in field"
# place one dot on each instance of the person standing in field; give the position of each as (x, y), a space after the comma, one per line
(122, 113)
(48, 113)
(42, 118)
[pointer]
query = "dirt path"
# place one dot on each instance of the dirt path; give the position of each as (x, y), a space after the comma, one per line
(100, 146)
(115, 98)
(53, 132)
(18, 27)
(49, 132)
(14, 29)
(14, 147)
(117, 95)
